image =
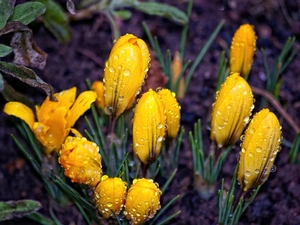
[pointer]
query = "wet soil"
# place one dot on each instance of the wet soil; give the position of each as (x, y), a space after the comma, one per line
(278, 202)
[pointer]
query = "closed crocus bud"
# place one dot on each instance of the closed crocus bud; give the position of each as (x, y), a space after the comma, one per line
(242, 50)
(231, 110)
(176, 70)
(110, 195)
(172, 110)
(143, 201)
(149, 124)
(81, 161)
(98, 87)
(261, 143)
(124, 73)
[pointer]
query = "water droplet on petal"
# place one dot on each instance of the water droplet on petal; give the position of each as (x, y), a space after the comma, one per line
(126, 73)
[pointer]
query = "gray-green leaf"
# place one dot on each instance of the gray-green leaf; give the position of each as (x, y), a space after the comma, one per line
(28, 76)
(5, 50)
(27, 12)
(5, 12)
(11, 209)
(123, 14)
(160, 9)
(56, 21)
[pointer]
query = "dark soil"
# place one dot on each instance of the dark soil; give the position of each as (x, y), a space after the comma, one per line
(278, 202)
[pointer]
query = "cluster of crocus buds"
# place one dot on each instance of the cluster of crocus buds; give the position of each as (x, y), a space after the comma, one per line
(55, 119)
(261, 143)
(155, 113)
(231, 110)
(242, 50)
(143, 201)
(124, 73)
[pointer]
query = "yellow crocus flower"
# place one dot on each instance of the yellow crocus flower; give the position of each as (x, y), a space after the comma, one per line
(110, 195)
(54, 119)
(143, 201)
(81, 161)
(231, 110)
(98, 87)
(172, 110)
(124, 73)
(259, 149)
(242, 50)
(149, 125)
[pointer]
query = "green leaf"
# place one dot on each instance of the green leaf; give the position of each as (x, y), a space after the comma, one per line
(27, 12)
(5, 12)
(56, 21)
(123, 14)
(5, 50)
(11, 209)
(159, 9)
(27, 76)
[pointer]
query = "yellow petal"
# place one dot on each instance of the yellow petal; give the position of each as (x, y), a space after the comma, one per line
(81, 105)
(124, 73)
(99, 89)
(110, 196)
(259, 149)
(148, 127)
(242, 50)
(143, 201)
(64, 98)
(53, 131)
(176, 70)
(231, 111)
(172, 110)
(81, 161)
(21, 111)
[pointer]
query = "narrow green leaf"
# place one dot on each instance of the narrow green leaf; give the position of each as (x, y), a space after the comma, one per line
(27, 12)
(160, 9)
(12, 209)
(295, 150)
(40, 218)
(56, 21)
(27, 76)
(5, 50)
(123, 14)
(5, 12)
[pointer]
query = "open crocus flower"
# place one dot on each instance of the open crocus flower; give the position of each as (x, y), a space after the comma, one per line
(143, 201)
(124, 73)
(81, 161)
(242, 50)
(149, 124)
(54, 119)
(172, 110)
(231, 110)
(110, 195)
(259, 149)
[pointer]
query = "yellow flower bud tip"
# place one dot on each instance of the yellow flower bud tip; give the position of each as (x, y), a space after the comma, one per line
(242, 50)
(110, 196)
(260, 146)
(231, 110)
(124, 73)
(149, 124)
(98, 87)
(176, 70)
(143, 201)
(81, 161)
(172, 109)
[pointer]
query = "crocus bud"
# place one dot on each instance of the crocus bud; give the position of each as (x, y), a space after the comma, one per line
(261, 143)
(124, 73)
(176, 70)
(231, 110)
(98, 88)
(110, 195)
(242, 50)
(81, 161)
(149, 124)
(143, 201)
(172, 110)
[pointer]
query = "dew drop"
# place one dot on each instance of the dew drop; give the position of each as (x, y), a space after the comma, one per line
(242, 137)
(258, 149)
(159, 126)
(116, 57)
(252, 130)
(247, 174)
(250, 154)
(273, 169)
(126, 73)
(160, 139)
(109, 204)
(257, 171)
(111, 69)
(243, 150)
(108, 110)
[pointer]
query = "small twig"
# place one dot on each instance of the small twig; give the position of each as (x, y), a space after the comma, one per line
(277, 106)
(91, 55)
